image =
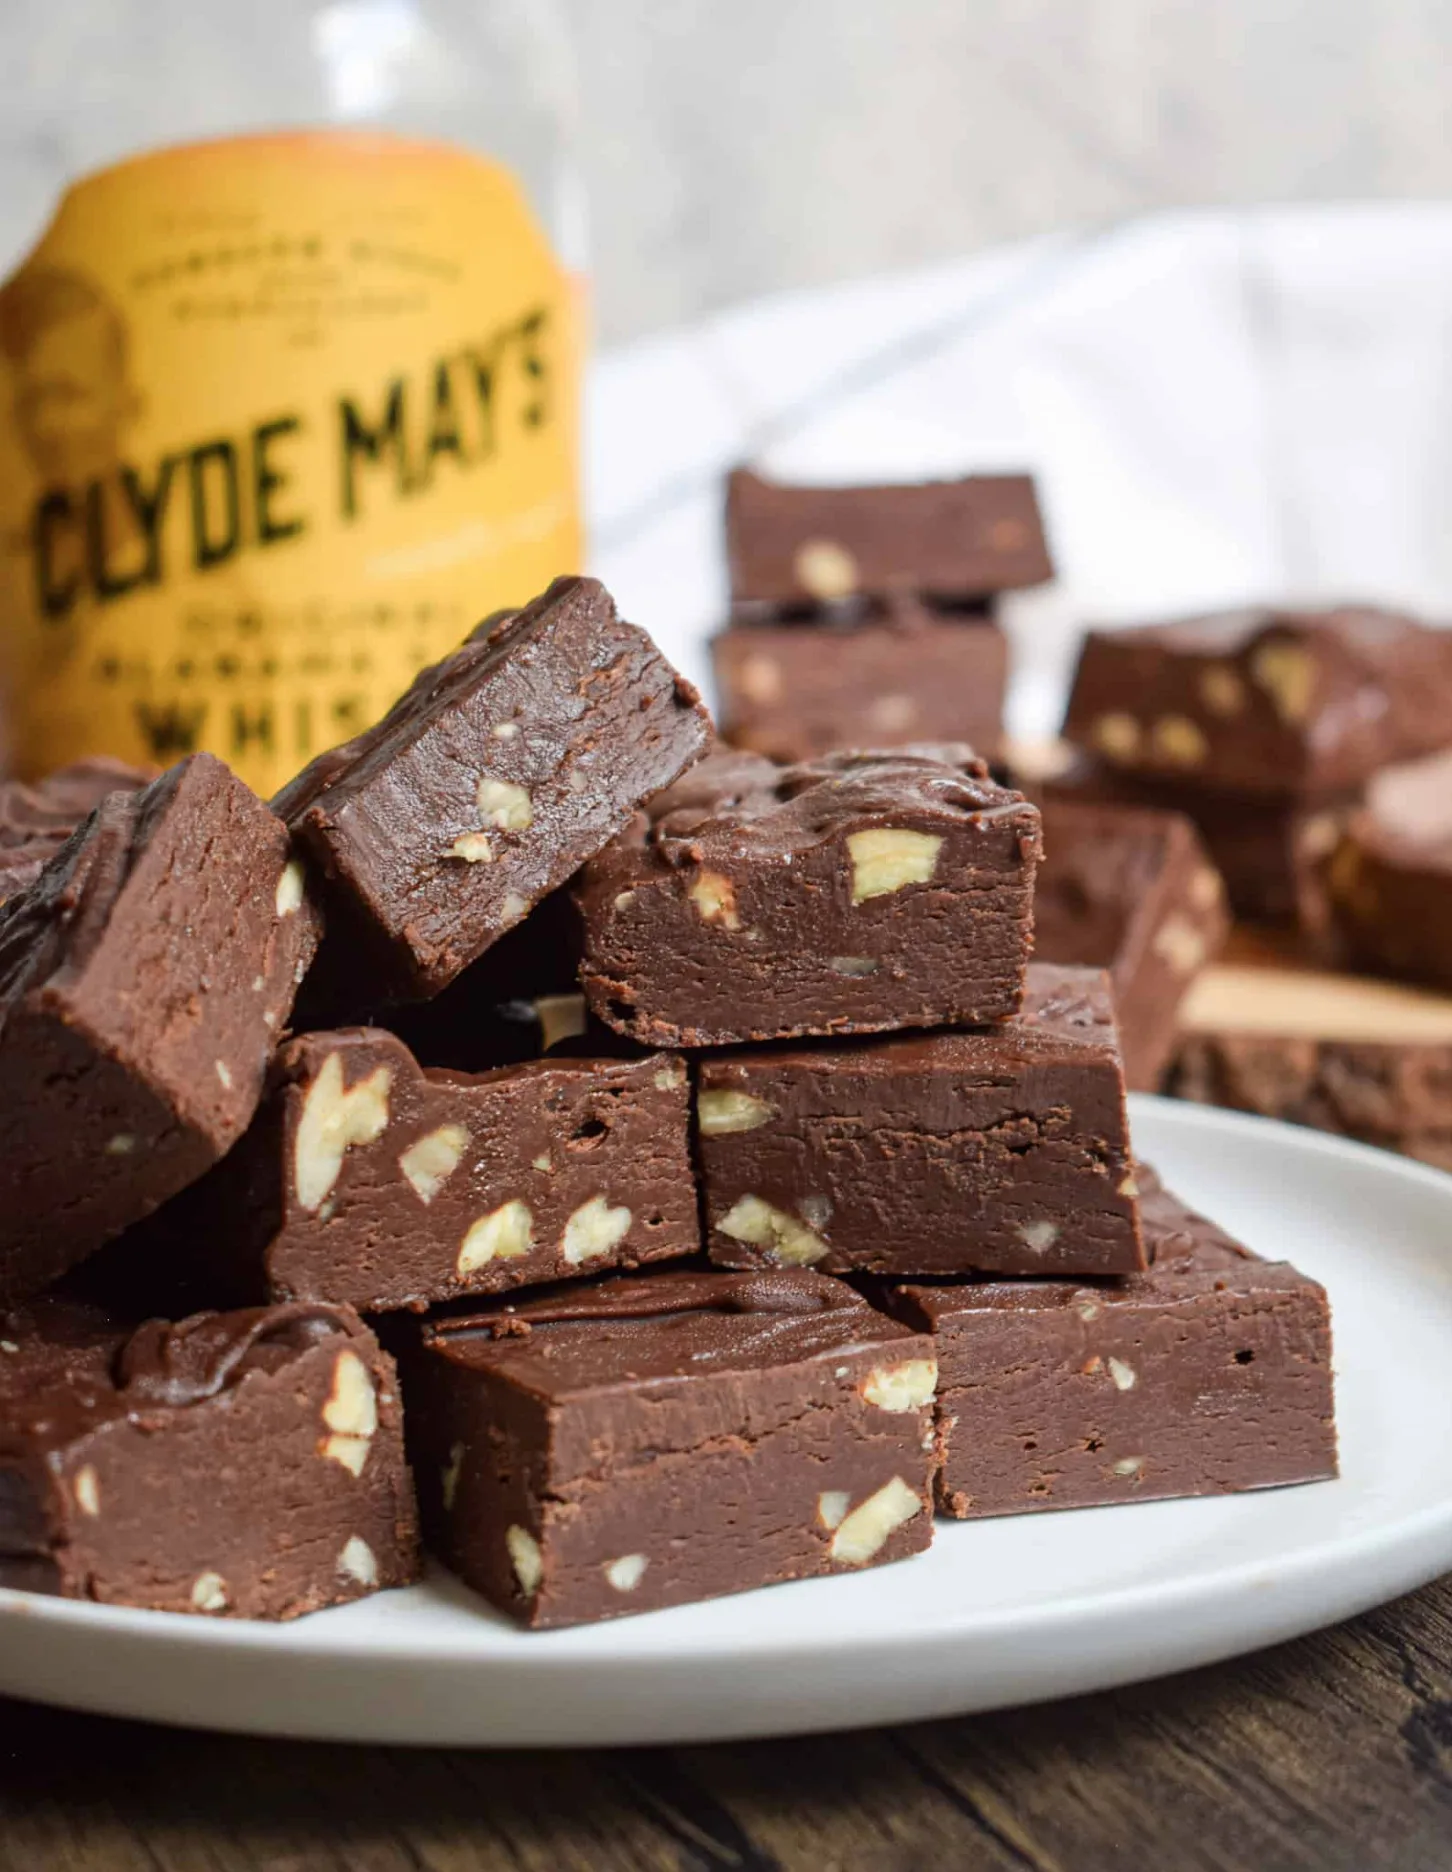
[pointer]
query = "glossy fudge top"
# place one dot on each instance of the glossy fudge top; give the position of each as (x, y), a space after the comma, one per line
(854, 894)
(72, 1371)
(742, 809)
(948, 539)
(490, 782)
(678, 1324)
(1271, 701)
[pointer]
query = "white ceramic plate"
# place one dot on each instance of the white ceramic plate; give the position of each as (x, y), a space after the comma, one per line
(998, 1612)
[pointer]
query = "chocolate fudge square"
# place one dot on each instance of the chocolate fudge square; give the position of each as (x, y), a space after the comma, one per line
(931, 1153)
(1267, 701)
(1363, 1059)
(37, 818)
(1209, 1374)
(1389, 881)
(245, 1465)
(898, 672)
(854, 894)
(144, 980)
(370, 1180)
(803, 546)
(645, 1441)
(1268, 847)
(489, 783)
(1130, 890)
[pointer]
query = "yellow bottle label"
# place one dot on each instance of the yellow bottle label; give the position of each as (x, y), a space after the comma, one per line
(281, 418)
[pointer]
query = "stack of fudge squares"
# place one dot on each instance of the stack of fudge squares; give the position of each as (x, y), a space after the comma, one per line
(1313, 751)
(868, 616)
(652, 1170)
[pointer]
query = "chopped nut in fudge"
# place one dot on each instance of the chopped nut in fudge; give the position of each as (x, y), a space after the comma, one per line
(145, 978)
(854, 894)
(112, 1442)
(638, 1442)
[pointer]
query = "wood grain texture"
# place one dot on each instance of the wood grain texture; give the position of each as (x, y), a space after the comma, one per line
(1333, 1754)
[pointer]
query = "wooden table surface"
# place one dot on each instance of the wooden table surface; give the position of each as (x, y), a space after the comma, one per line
(1333, 1753)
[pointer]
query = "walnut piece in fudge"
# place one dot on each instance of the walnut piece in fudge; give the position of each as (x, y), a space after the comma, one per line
(932, 1153)
(1130, 890)
(641, 1442)
(110, 1441)
(1208, 1374)
(890, 673)
(369, 1180)
(489, 783)
(1274, 702)
(1389, 881)
(37, 818)
(849, 895)
(805, 546)
(144, 980)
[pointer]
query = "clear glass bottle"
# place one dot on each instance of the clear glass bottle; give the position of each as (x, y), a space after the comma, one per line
(288, 404)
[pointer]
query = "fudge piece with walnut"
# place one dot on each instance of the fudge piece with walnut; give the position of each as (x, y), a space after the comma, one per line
(1208, 1374)
(488, 784)
(641, 1442)
(144, 981)
(849, 895)
(370, 1180)
(1276, 702)
(111, 1440)
(872, 674)
(929, 1153)
(797, 547)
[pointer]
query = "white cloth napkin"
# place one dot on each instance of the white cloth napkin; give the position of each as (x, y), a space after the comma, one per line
(1220, 406)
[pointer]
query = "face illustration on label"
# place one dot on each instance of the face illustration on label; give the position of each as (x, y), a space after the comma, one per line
(67, 348)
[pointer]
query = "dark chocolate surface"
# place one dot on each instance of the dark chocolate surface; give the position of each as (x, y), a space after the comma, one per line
(929, 1153)
(144, 980)
(1209, 1373)
(858, 893)
(951, 539)
(489, 783)
(642, 1441)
